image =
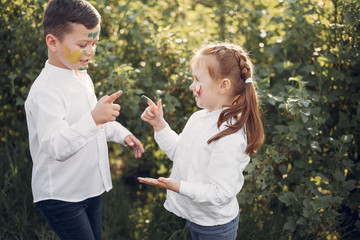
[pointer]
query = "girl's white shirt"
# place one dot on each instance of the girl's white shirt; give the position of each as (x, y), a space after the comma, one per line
(211, 175)
(69, 152)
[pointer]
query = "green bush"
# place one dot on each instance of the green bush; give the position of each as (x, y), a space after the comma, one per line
(302, 184)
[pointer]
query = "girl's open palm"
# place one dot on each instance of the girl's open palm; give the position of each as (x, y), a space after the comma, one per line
(162, 182)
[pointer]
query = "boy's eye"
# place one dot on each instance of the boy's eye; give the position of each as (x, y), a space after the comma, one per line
(82, 46)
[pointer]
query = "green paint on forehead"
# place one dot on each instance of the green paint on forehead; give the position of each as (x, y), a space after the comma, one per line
(94, 34)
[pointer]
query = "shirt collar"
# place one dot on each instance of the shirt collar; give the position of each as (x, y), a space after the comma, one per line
(62, 71)
(214, 113)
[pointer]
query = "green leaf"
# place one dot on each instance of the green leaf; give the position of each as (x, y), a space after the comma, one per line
(350, 184)
(321, 202)
(290, 224)
(295, 127)
(288, 198)
(323, 60)
(301, 221)
(138, 91)
(339, 177)
(281, 128)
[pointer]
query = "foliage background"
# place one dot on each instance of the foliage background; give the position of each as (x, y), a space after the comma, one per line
(303, 184)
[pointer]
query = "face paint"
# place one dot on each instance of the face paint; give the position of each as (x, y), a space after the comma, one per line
(198, 91)
(145, 98)
(73, 57)
(93, 35)
(84, 53)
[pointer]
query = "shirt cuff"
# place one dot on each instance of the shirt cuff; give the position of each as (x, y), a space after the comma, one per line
(125, 133)
(163, 132)
(186, 189)
(116, 132)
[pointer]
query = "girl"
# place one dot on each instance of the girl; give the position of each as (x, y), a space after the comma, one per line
(211, 153)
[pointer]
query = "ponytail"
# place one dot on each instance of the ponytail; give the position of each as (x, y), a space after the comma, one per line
(245, 110)
(235, 65)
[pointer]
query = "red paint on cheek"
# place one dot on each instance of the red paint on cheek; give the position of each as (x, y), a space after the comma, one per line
(198, 92)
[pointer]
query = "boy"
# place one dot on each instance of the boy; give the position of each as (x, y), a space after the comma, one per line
(68, 127)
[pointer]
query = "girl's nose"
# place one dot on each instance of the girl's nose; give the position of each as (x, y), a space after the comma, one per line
(191, 87)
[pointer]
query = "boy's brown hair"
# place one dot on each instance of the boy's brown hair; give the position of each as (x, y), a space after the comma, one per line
(59, 13)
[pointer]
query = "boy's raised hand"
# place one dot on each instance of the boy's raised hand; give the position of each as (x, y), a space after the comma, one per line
(105, 110)
(154, 114)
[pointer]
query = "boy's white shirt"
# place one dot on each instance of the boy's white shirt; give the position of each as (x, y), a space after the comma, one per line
(69, 152)
(210, 174)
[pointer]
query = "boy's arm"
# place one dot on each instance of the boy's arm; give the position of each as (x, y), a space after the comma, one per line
(115, 132)
(47, 113)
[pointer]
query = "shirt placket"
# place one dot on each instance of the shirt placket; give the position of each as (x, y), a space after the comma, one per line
(100, 138)
(103, 160)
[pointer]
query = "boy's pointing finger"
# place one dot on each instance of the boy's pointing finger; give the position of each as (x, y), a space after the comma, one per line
(114, 96)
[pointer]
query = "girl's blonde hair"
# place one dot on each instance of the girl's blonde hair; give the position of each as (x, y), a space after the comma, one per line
(232, 62)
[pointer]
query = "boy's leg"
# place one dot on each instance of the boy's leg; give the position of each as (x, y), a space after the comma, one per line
(94, 212)
(226, 231)
(68, 219)
(194, 234)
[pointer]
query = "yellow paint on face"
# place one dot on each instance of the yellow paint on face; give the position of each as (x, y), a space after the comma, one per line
(73, 57)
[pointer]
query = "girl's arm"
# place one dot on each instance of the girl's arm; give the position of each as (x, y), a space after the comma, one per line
(164, 136)
(224, 172)
(225, 177)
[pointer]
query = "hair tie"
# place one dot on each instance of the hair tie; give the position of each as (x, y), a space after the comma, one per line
(249, 80)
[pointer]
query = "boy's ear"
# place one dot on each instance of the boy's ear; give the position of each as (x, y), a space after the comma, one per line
(225, 85)
(51, 42)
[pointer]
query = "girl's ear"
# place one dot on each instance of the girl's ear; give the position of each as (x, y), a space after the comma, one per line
(225, 85)
(51, 42)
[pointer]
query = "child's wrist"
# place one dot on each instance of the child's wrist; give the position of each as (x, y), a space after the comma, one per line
(93, 116)
(159, 126)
